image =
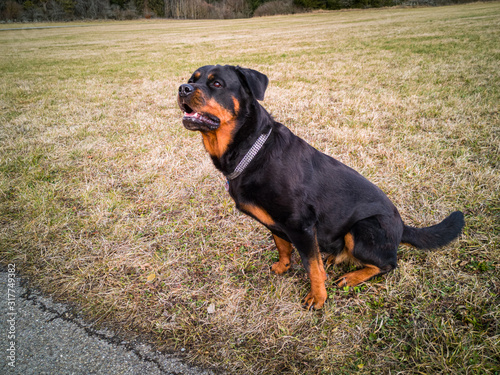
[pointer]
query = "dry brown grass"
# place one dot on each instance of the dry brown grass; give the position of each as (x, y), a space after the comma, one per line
(107, 201)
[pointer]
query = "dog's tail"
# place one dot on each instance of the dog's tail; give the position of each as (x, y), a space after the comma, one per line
(437, 235)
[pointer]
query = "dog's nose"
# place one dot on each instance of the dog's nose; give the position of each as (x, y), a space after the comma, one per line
(185, 90)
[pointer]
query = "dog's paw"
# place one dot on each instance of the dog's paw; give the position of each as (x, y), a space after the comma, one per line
(357, 277)
(278, 268)
(314, 300)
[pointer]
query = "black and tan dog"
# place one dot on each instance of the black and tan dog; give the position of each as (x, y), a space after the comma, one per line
(306, 198)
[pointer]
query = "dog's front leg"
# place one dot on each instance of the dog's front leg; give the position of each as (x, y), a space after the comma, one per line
(307, 246)
(285, 251)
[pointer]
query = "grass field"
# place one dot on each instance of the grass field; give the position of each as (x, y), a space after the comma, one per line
(108, 202)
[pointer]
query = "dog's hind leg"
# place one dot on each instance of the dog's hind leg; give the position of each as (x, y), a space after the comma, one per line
(374, 247)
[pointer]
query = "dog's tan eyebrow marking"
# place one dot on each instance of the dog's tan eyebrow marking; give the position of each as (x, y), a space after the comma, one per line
(236, 104)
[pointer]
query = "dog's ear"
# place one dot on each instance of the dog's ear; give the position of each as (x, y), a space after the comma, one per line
(254, 81)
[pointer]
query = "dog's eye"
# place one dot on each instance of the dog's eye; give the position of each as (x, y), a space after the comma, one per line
(217, 84)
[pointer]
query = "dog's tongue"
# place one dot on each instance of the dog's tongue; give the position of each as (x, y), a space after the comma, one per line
(193, 114)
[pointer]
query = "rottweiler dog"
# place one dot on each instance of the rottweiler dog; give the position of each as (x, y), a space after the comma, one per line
(307, 199)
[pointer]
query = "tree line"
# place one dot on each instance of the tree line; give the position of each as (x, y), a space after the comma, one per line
(67, 10)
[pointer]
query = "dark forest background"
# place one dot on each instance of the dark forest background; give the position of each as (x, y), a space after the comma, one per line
(67, 10)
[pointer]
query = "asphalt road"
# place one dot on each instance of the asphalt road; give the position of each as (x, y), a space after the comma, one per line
(42, 337)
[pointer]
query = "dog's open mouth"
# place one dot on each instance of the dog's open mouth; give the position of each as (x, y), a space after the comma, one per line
(193, 120)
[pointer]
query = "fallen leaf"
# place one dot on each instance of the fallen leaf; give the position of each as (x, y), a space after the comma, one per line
(211, 308)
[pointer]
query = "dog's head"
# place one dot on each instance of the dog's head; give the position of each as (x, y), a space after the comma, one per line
(216, 95)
